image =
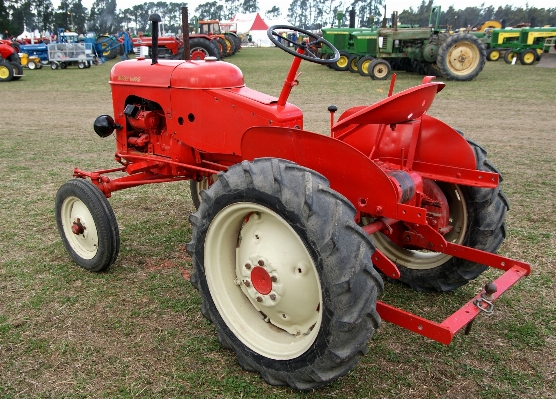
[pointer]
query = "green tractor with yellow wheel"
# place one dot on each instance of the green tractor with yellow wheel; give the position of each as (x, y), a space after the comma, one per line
(427, 50)
(529, 45)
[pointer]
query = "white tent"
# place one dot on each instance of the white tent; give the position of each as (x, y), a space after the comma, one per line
(256, 26)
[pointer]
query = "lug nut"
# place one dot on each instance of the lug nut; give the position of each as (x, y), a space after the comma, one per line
(247, 283)
(273, 297)
(274, 279)
(248, 266)
(259, 299)
(261, 262)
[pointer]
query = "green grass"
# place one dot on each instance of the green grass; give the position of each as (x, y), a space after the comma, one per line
(136, 331)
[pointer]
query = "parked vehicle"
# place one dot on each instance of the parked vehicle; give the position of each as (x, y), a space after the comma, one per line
(428, 50)
(292, 223)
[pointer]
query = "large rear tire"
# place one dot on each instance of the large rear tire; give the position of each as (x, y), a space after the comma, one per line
(284, 273)
(108, 48)
(18, 70)
(202, 48)
(87, 225)
(477, 216)
(462, 57)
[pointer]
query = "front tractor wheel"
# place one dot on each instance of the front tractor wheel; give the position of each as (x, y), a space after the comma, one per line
(379, 69)
(284, 273)
(476, 217)
(343, 62)
(493, 54)
(87, 225)
(462, 57)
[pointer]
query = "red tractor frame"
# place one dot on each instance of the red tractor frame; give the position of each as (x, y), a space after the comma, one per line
(294, 228)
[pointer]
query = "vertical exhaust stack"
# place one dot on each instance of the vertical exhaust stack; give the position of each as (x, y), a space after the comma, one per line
(155, 19)
(352, 18)
(185, 30)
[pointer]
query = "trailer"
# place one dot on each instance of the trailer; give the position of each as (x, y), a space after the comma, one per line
(62, 55)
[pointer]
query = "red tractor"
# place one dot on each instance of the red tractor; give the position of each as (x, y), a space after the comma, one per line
(172, 48)
(10, 66)
(295, 231)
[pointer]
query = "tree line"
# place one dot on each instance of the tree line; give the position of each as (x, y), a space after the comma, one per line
(104, 16)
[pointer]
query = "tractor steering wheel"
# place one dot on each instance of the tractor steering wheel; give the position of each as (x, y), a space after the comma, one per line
(311, 47)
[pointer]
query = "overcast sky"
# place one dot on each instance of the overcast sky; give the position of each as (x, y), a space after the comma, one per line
(395, 5)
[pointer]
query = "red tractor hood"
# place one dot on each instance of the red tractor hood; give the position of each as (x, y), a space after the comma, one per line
(201, 74)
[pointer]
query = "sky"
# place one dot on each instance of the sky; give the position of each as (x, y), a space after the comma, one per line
(392, 5)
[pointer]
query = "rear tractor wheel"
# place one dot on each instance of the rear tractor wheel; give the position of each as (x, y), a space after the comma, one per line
(266, 244)
(18, 70)
(476, 217)
(462, 57)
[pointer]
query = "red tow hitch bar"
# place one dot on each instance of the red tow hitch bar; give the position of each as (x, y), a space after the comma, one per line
(483, 302)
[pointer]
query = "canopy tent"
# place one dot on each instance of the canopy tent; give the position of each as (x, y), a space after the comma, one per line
(256, 26)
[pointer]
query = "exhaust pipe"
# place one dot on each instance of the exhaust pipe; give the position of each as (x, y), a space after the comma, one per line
(155, 19)
(185, 31)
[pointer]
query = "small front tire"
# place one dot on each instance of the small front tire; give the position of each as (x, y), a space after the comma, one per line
(379, 69)
(87, 225)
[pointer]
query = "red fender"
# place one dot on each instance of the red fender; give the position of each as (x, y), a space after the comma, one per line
(349, 171)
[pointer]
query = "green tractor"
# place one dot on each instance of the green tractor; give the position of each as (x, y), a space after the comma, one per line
(342, 39)
(498, 41)
(529, 46)
(426, 50)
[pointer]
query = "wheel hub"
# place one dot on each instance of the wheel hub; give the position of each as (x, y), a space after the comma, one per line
(261, 280)
(77, 227)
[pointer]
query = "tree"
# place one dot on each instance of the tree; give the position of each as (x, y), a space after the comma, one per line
(211, 10)
(273, 13)
(231, 8)
(249, 6)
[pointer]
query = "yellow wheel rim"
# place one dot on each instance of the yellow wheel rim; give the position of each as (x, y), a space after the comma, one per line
(529, 58)
(462, 58)
(4, 72)
(343, 61)
(495, 55)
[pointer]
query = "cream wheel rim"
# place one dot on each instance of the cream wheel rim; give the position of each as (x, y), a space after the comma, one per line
(79, 227)
(263, 281)
(424, 259)
(463, 57)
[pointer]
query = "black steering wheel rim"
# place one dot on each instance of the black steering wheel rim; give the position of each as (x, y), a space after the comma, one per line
(309, 54)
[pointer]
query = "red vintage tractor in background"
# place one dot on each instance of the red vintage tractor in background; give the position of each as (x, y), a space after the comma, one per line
(10, 66)
(295, 231)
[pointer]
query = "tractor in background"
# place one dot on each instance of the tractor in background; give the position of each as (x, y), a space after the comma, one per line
(229, 43)
(428, 50)
(295, 231)
(10, 65)
(529, 45)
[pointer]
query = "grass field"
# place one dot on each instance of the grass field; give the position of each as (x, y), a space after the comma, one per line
(136, 331)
